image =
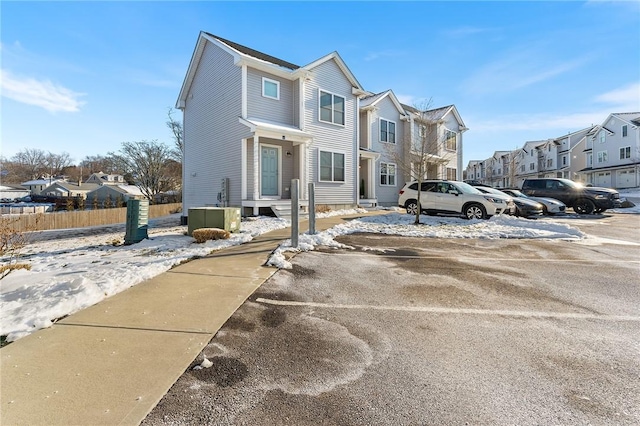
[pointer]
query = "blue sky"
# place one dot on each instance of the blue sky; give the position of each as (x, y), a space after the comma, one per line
(82, 77)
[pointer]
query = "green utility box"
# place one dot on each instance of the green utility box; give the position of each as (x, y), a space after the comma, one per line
(137, 221)
(227, 218)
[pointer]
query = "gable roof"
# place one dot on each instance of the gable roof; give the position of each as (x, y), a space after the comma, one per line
(373, 100)
(258, 60)
(629, 117)
(254, 53)
(437, 114)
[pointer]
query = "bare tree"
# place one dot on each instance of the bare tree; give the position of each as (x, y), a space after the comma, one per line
(422, 149)
(29, 163)
(177, 133)
(146, 161)
(55, 163)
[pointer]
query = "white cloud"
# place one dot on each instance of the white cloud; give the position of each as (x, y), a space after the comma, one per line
(518, 70)
(41, 93)
(626, 98)
(383, 54)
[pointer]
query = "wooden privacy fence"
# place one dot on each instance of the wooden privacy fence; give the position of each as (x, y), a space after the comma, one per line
(81, 219)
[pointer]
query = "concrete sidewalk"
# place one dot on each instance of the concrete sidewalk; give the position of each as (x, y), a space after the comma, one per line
(111, 363)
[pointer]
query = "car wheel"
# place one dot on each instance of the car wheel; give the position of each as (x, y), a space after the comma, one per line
(599, 210)
(411, 206)
(475, 211)
(584, 206)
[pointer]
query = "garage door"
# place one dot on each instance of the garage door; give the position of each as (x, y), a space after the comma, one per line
(625, 179)
(603, 179)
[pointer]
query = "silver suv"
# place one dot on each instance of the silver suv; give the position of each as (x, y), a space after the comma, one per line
(453, 197)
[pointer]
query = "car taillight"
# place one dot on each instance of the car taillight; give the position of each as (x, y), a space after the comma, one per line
(401, 191)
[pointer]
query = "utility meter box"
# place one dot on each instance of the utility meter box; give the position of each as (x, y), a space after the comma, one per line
(137, 221)
(227, 218)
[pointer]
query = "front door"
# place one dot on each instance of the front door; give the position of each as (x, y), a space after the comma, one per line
(270, 172)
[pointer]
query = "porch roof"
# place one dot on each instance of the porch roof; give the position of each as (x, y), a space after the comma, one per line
(276, 131)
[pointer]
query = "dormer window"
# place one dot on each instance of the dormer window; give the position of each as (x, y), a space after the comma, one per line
(270, 88)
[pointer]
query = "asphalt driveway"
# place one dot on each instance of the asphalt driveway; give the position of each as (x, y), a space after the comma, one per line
(409, 331)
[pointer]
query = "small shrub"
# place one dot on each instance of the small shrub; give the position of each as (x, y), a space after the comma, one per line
(323, 208)
(205, 234)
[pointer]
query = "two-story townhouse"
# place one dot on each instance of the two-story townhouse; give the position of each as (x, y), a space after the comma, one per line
(571, 160)
(382, 149)
(613, 152)
(253, 122)
(472, 171)
(438, 134)
(500, 168)
(547, 158)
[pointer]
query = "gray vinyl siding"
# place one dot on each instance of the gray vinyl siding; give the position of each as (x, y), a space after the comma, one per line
(331, 137)
(289, 165)
(296, 103)
(212, 132)
(364, 131)
(260, 107)
(387, 195)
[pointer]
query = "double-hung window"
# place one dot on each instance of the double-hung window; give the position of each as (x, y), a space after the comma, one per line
(452, 173)
(331, 166)
(387, 131)
(450, 140)
(331, 108)
(602, 157)
(624, 131)
(387, 174)
(625, 152)
(270, 88)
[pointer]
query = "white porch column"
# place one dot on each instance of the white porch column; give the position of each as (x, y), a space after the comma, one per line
(302, 170)
(372, 179)
(256, 171)
(243, 169)
(460, 159)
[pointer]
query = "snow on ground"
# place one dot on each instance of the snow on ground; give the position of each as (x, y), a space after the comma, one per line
(72, 273)
(632, 195)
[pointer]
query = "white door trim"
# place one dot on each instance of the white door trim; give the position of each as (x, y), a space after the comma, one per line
(274, 197)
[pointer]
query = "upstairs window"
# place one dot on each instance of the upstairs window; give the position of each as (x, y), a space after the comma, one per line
(532, 166)
(270, 88)
(602, 137)
(549, 162)
(564, 160)
(450, 140)
(522, 168)
(331, 166)
(625, 152)
(387, 131)
(624, 131)
(331, 108)
(590, 160)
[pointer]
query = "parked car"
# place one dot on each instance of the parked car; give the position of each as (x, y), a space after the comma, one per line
(550, 206)
(453, 197)
(524, 207)
(583, 200)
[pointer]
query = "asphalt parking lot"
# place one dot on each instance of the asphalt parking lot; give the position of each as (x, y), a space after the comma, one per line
(411, 331)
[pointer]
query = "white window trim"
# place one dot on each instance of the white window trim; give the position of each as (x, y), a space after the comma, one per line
(320, 108)
(395, 174)
(276, 82)
(623, 152)
(395, 133)
(603, 157)
(455, 134)
(320, 151)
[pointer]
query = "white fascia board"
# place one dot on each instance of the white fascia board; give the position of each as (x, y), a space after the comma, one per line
(191, 71)
(265, 66)
(343, 67)
(276, 131)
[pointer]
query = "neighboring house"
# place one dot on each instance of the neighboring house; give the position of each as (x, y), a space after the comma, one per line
(36, 186)
(105, 179)
(114, 192)
(604, 155)
(11, 192)
(68, 189)
(613, 152)
(253, 122)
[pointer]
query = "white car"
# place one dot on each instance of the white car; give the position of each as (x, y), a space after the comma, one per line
(453, 197)
(551, 206)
